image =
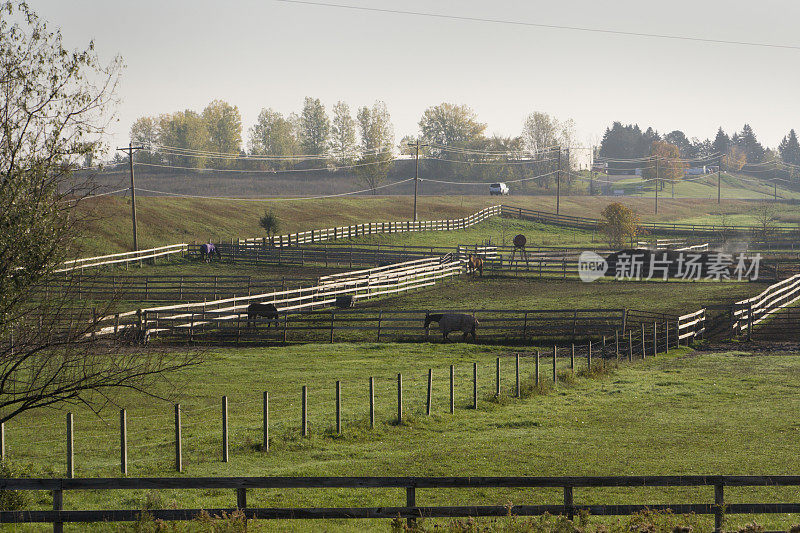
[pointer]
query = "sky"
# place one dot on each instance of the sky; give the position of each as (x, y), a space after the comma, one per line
(183, 54)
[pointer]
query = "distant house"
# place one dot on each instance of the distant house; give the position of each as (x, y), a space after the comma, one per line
(696, 171)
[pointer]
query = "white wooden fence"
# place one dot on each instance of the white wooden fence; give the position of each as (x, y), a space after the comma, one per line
(124, 257)
(373, 228)
(360, 285)
(692, 325)
(748, 313)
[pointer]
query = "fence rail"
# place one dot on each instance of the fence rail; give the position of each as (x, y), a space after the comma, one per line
(750, 312)
(408, 485)
(124, 257)
(163, 288)
(664, 228)
(372, 228)
(390, 280)
(371, 325)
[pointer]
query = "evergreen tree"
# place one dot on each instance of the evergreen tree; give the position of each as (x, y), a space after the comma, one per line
(746, 140)
(790, 149)
(721, 142)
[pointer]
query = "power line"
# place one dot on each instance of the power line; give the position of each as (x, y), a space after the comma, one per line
(319, 169)
(547, 26)
(273, 199)
(191, 152)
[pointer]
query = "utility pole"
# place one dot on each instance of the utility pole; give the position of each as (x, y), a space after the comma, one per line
(416, 176)
(130, 149)
(719, 181)
(558, 183)
(657, 182)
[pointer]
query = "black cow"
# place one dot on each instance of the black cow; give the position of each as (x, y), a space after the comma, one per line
(268, 311)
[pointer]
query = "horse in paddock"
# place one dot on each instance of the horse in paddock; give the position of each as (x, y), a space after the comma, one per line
(257, 309)
(453, 322)
(208, 251)
(475, 263)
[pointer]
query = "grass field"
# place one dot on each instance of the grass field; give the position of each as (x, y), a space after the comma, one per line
(705, 187)
(709, 414)
(164, 221)
(531, 293)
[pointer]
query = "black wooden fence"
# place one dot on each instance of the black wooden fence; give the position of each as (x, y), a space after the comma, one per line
(353, 325)
(163, 288)
(715, 505)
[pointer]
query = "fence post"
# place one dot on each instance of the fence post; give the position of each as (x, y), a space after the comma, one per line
(644, 351)
(58, 505)
(224, 429)
(178, 443)
(666, 336)
(749, 321)
(569, 507)
(70, 447)
(616, 342)
(338, 407)
(452, 389)
(630, 345)
(475, 385)
(536, 370)
(371, 402)
(123, 442)
(304, 411)
(589, 357)
(555, 373)
(572, 358)
(655, 339)
(399, 399)
(411, 502)
(241, 498)
(430, 392)
(719, 507)
(380, 315)
(517, 391)
(497, 388)
(332, 315)
(266, 422)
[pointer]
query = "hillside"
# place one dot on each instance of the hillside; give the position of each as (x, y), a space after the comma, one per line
(171, 220)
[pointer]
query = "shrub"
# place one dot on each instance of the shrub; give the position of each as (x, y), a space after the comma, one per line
(12, 500)
(270, 223)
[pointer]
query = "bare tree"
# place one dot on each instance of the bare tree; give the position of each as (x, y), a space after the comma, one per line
(54, 107)
(767, 219)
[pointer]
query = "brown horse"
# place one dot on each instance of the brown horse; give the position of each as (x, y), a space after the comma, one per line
(475, 263)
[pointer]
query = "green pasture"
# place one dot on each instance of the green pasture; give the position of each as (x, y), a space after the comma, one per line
(475, 293)
(682, 413)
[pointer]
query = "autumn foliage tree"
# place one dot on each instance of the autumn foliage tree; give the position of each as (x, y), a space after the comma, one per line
(619, 223)
(666, 163)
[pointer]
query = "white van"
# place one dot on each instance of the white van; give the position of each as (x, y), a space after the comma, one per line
(498, 189)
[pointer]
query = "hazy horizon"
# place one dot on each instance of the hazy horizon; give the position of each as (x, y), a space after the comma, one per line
(182, 55)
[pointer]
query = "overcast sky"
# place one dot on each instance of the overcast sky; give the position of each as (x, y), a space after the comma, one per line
(182, 54)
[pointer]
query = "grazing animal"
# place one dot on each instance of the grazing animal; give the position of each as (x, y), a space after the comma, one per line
(344, 302)
(207, 251)
(475, 263)
(268, 311)
(453, 322)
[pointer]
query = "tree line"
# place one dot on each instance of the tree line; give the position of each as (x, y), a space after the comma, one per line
(735, 152)
(453, 142)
